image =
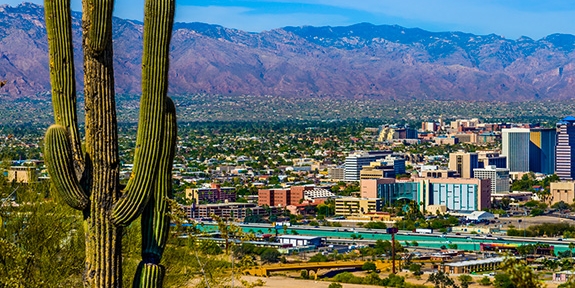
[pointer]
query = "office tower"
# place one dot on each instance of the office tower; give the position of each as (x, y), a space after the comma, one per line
(491, 158)
(565, 149)
(463, 163)
(499, 178)
(515, 146)
(542, 144)
(355, 162)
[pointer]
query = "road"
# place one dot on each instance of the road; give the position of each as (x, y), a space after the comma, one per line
(435, 240)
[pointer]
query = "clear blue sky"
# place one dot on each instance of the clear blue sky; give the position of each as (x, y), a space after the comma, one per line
(509, 18)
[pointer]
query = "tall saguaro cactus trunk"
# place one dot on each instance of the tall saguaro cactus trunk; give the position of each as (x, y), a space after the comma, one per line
(89, 180)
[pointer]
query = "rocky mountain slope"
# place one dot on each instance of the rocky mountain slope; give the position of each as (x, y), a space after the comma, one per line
(358, 61)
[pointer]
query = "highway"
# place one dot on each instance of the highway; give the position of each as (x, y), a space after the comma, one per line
(435, 240)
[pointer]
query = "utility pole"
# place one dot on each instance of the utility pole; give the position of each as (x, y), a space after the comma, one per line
(392, 231)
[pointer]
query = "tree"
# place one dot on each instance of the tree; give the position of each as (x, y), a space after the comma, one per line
(464, 280)
(318, 258)
(485, 281)
(368, 266)
(270, 255)
(88, 179)
(441, 280)
(520, 274)
(415, 269)
(334, 285)
(502, 280)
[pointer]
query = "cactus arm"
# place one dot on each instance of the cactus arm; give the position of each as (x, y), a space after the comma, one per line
(155, 218)
(158, 22)
(58, 157)
(101, 14)
(62, 78)
(149, 276)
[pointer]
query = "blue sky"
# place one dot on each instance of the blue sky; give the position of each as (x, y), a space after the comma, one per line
(509, 18)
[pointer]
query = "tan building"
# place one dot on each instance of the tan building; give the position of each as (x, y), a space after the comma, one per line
(464, 124)
(439, 173)
(562, 191)
(336, 173)
(356, 206)
(468, 267)
(371, 173)
(433, 209)
(467, 138)
(463, 163)
(375, 217)
(442, 140)
(368, 187)
(22, 174)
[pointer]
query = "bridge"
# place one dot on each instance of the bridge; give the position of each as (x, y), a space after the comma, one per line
(315, 267)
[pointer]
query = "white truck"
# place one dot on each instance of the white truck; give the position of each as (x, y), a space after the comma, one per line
(424, 231)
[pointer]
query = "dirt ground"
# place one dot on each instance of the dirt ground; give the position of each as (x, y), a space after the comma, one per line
(289, 282)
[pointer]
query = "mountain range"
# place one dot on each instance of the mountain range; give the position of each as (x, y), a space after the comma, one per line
(358, 61)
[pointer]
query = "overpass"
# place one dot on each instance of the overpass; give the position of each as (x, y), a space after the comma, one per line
(315, 267)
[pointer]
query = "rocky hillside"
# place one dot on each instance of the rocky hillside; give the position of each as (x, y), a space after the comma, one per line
(358, 61)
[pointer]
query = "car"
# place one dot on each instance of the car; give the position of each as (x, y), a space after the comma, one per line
(559, 239)
(457, 233)
(500, 238)
(489, 235)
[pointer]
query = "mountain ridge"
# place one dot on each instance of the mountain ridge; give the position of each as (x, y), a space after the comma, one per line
(357, 61)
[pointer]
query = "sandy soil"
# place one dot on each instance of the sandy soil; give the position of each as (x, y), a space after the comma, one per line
(289, 282)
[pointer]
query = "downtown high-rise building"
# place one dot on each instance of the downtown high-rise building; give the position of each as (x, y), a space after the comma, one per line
(565, 149)
(463, 163)
(515, 146)
(356, 161)
(499, 178)
(542, 142)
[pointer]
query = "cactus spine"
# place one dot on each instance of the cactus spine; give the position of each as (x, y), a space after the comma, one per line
(89, 181)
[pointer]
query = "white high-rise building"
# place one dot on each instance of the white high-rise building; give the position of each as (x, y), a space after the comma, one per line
(515, 146)
(499, 178)
(355, 162)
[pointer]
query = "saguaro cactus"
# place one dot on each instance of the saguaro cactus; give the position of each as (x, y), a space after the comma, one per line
(89, 180)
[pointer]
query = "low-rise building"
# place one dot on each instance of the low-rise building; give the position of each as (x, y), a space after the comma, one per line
(300, 240)
(356, 206)
(22, 174)
(562, 191)
(229, 210)
(317, 193)
(212, 194)
(563, 276)
(385, 217)
(468, 267)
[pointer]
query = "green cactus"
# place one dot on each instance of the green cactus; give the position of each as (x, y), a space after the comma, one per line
(89, 180)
